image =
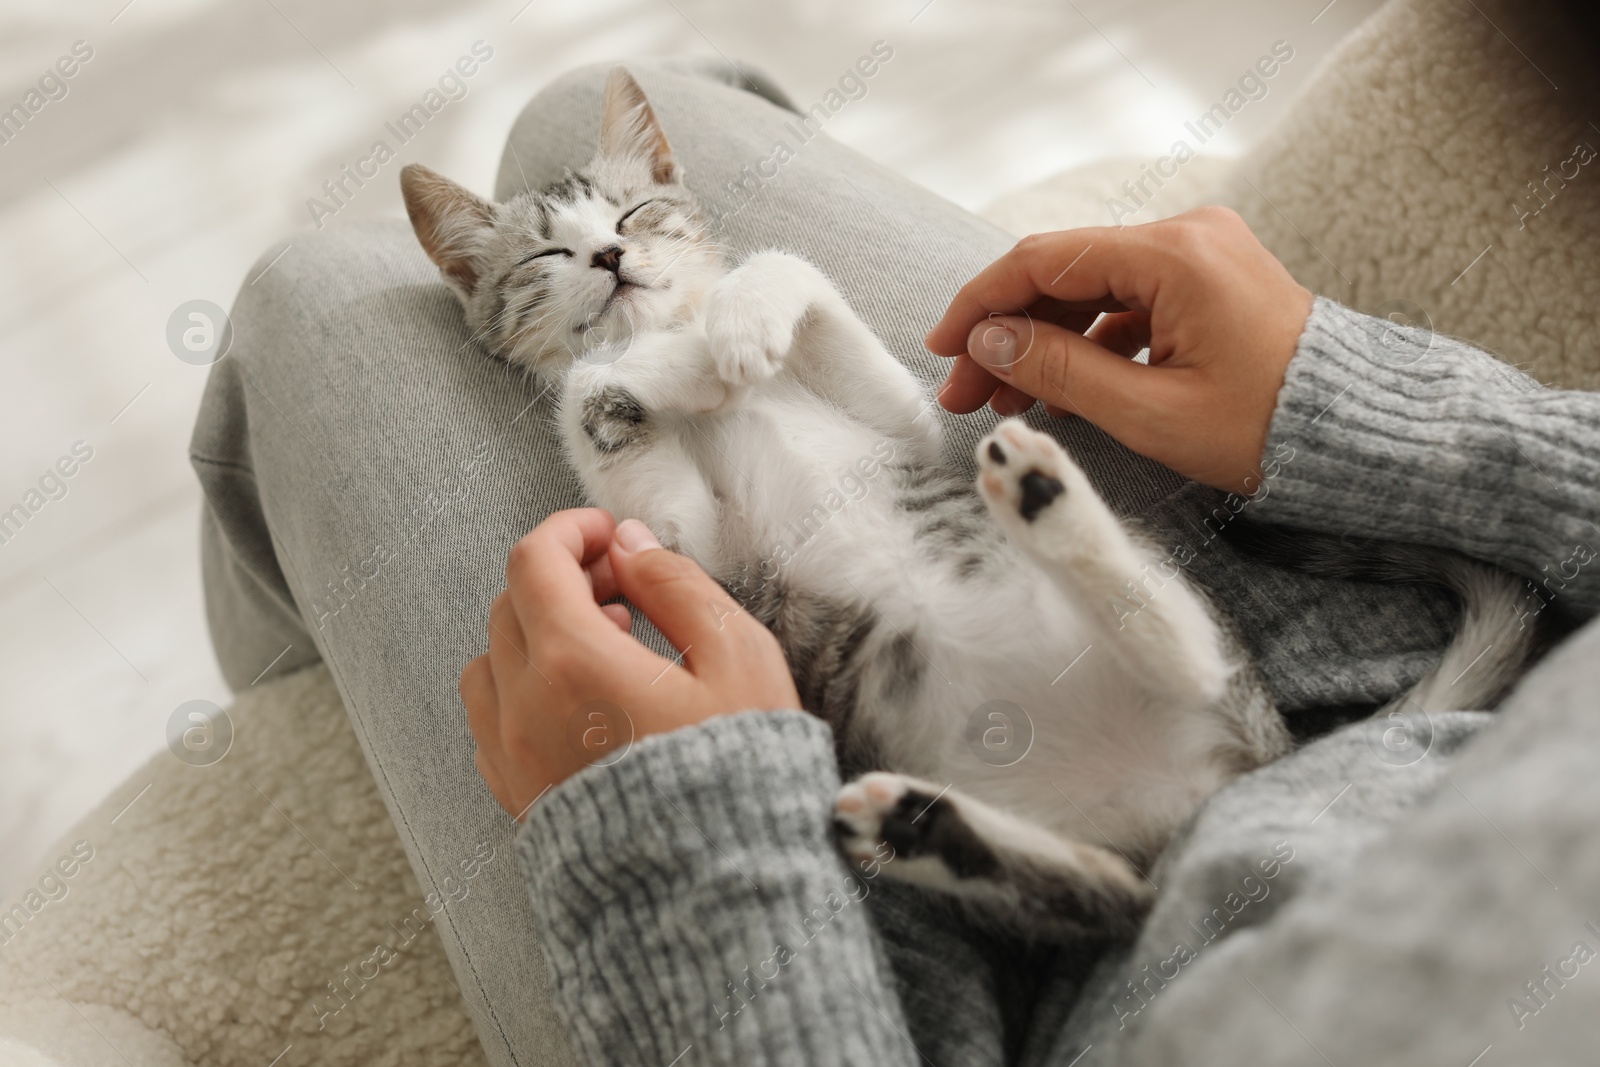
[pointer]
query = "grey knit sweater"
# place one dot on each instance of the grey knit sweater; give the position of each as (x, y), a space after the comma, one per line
(694, 909)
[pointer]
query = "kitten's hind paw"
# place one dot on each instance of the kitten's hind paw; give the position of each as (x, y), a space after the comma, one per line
(861, 811)
(908, 823)
(1006, 868)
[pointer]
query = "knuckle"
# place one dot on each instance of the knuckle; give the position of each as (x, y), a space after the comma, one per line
(746, 629)
(1201, 228)
(501, 636)
(515, 735)
(1228, 216)
(1216, 213)
(1042, 369)
(521, 745)
(1032, 246)
(522, 554)
(1191, 231)
(1033, 241)
(1190, 239)
(760, 642)
(1053, 371)
(557, 659)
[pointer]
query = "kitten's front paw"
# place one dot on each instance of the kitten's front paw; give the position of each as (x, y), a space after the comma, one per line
(749, 328)
(1024, 474)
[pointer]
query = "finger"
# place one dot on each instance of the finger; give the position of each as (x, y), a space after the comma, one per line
(482, 701)
(508, 646)
(602, 580)
(504, 624)
(1055, 412)
(1076, 375)
(551, 581)
(545, 575)
(1125, 334)
(967, 388)
(619, 615)
(1066, 314)
(1008, 400)
(1097, 269)
(686, 605)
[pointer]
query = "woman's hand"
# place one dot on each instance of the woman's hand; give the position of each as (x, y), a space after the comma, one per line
(1220, 315)
(564, 683)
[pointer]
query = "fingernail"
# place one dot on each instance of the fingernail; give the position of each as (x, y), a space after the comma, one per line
(995, 347)
(635, 536)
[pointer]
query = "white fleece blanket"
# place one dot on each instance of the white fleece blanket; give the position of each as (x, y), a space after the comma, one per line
(207, 923)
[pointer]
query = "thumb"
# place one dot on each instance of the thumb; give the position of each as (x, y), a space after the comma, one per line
(1068, 371)
(684, 602)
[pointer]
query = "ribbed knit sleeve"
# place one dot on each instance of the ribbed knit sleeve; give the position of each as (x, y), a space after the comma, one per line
(694, 909)
(1399, 433)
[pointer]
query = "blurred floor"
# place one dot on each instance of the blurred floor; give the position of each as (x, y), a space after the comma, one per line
(190, 141)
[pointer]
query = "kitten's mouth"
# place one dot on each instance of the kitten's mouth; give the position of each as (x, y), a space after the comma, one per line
(619, 291)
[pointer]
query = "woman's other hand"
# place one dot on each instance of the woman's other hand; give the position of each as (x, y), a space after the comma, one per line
(565, 684)
(1220, 315)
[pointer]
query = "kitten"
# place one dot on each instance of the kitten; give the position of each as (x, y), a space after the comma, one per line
(922, 619)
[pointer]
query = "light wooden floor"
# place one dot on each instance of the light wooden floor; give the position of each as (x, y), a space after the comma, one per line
(191, 140)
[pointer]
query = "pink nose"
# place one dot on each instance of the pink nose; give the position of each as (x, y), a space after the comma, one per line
(609, 257)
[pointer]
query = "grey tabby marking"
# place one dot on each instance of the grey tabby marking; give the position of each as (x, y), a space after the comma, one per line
(834, 649)
(614, 420)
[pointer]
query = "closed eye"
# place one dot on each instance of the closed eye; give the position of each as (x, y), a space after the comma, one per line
(547, 252)
(626, 215)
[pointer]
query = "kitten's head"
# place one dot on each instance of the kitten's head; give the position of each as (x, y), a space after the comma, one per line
(617, 248)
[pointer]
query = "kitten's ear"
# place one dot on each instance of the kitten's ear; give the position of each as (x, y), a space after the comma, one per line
(452, 224)
(629, 128)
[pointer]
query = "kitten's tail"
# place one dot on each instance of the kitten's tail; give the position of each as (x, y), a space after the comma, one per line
(1493, 641)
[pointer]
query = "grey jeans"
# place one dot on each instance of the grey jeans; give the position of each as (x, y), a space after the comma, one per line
(366, 467)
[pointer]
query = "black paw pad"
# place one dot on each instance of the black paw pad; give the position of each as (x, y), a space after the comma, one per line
(926, 825)
(907, 827)
(1038, 490)
(997, 453)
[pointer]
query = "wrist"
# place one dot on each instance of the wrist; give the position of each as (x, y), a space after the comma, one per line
(660, 797)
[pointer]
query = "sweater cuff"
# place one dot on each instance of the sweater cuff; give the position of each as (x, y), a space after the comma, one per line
(1400, 433)
(691, 894)
(673, 792)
